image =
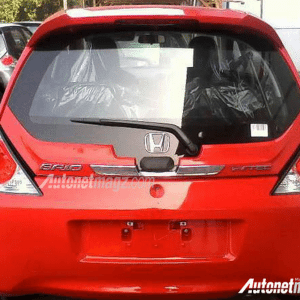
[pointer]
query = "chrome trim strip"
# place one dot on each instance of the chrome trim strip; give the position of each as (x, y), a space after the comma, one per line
(158, 174)
(115, 170)
(199, 170)
(203, 170)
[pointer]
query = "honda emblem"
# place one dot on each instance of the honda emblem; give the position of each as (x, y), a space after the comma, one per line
(157, 142)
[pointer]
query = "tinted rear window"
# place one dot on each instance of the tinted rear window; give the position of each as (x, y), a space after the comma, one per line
(217, 88)
(2, 46)
(16, 39)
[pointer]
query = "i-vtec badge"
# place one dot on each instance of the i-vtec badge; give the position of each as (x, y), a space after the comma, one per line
(60, 167)
(157, 142)
(252, 168)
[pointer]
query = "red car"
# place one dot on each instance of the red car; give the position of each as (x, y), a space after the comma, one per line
(151, 150)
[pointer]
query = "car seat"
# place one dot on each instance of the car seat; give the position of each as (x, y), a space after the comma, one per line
(205, 60)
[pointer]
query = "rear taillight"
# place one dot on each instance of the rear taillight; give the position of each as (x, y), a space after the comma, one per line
(8, 60)
(13, 179)
(7, 165)
(290, 183)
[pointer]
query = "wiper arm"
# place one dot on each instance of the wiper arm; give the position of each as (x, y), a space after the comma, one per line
(191, 148)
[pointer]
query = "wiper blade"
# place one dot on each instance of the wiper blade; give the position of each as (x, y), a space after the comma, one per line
(191, 148)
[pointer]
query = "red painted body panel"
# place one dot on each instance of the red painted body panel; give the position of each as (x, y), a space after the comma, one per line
(51, 250)
(72, 242)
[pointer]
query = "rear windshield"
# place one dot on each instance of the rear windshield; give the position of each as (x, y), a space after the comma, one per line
(216, 88)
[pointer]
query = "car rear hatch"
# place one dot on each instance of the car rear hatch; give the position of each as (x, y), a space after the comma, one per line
(175, 132)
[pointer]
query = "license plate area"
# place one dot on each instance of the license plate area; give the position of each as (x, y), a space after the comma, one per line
(199, 239)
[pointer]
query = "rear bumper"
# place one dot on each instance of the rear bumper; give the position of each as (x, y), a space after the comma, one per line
(51, 247)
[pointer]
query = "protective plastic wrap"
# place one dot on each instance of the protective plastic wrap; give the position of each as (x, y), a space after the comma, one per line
(238, 98)
(212, 87)
(92, 86)
(230, 95)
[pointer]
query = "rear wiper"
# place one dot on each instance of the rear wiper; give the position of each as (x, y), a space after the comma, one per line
(191, 148)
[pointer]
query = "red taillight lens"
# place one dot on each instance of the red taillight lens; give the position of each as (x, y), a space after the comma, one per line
(290, 183)
(13, 178)
(7, 165)
(7, 60)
